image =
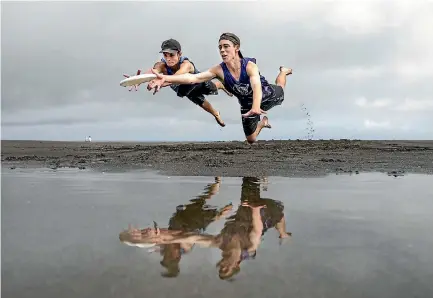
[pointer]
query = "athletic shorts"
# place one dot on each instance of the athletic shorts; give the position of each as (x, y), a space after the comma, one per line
(249, 124)
(197, 94)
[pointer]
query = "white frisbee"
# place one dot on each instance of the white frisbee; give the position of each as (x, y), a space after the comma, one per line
(138, 79)
(141, 245)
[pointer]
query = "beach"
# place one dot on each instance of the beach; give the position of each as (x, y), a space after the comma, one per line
(358, 213)
(274, 158)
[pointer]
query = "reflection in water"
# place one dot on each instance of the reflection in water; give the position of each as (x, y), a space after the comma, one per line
(238, 240)
(243, 232)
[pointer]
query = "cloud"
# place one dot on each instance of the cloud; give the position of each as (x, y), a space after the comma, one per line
(415, 105)
(357, 17)
(352, 60)
(407, 104)
(377, 103)
(358, 72)
(373, 124)
(68, 121)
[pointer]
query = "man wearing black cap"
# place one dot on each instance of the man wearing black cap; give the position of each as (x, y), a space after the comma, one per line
(241, 77)
(173, 63)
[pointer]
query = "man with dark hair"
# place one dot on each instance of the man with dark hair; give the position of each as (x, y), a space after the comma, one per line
(241, 77)
(173, 63)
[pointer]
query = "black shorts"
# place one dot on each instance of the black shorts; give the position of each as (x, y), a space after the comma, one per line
(249, 124)
(197, 94)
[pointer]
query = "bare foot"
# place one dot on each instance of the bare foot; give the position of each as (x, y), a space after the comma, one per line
(228, 93)
(265, 122)
(219, 120)
(286, 235)
(285, 70)
(220, 86)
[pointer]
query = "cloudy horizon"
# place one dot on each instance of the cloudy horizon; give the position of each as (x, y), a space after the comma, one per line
(361, 69)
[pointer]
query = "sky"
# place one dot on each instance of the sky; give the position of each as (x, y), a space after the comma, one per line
(361, 69)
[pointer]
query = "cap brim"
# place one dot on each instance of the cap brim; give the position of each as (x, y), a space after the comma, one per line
(168, 51)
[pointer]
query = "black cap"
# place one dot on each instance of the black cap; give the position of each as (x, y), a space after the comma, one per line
(170, 46)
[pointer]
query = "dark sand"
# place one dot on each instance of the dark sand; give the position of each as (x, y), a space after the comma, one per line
(274, 158)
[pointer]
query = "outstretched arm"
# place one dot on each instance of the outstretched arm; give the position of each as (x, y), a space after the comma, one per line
(281, 228)
(188, 78)
(159, 67)
(200, 239)
(185, 67)
(256, 85)
(223, 212)
(257, 229)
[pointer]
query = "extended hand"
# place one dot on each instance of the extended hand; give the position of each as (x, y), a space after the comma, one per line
(133, 86)
(254, 111)
(156, 83)
(252, 205)
(136, 85)
(226, 209)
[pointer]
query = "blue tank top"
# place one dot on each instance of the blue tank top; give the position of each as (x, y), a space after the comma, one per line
(181, 90)
(242, 88)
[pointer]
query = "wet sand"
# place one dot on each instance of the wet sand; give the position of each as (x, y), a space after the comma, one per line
(276, 158)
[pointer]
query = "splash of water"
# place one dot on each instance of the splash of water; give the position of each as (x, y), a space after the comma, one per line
(310, 127)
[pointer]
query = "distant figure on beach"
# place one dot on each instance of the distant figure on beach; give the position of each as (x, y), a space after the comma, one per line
(88, 139)
(241, 77)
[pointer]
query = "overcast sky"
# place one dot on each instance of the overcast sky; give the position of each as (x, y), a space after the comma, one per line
(363, 69)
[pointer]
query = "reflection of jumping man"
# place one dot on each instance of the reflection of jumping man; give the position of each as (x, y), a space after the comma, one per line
(238, 240)
(189, 219)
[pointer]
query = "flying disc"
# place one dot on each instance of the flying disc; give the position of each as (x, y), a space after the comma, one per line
(138, 79)
(141, 245)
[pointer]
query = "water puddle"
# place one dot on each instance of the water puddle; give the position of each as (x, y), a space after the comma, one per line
(79, 233)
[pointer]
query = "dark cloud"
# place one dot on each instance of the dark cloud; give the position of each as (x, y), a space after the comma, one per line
(70, 121)
(66, 59)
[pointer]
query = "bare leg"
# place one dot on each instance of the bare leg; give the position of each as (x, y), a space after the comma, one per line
(281, 78)
(264, 123)
(213, 188)
(209, 108)
(281, 228)
(220, 86)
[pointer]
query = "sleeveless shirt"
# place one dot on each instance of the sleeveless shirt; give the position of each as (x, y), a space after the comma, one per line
(184, 89)
(242, 88)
